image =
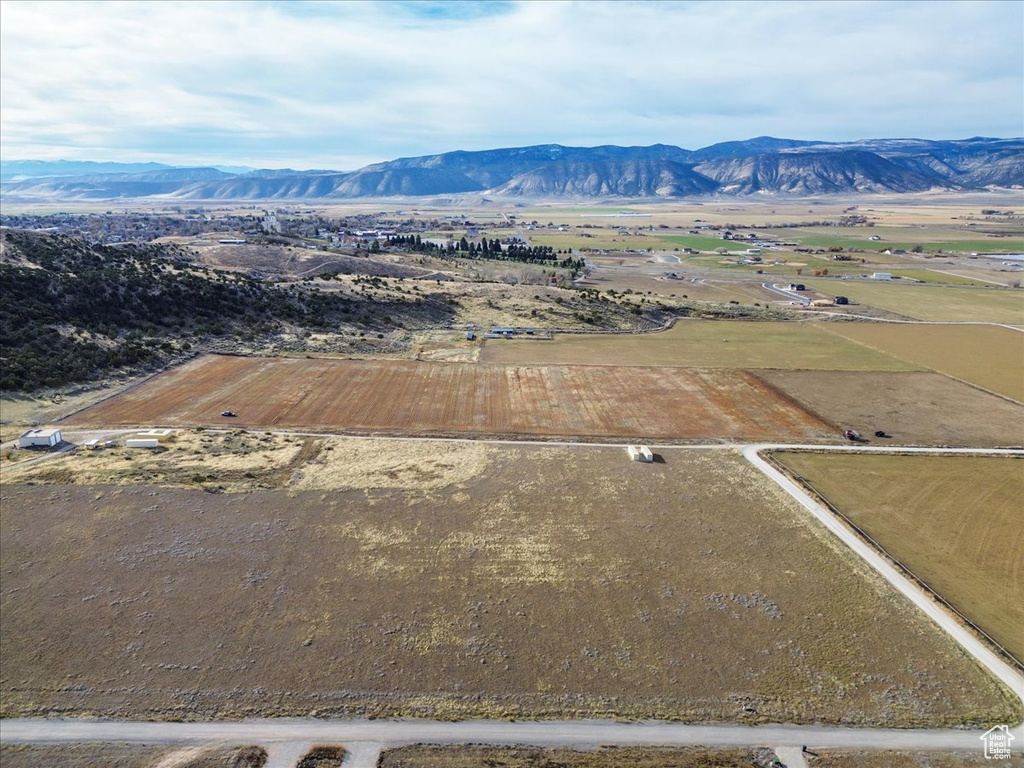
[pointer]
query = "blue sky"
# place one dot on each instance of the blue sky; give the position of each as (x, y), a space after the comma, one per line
(342, 84)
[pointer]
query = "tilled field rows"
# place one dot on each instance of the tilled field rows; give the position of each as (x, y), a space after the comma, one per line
(432, 398)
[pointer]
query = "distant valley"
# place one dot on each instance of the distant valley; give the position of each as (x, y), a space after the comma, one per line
(761, 166)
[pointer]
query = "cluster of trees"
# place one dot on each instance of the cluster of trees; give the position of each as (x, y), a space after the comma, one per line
(489, 249)
(73, 309)
(413, 243)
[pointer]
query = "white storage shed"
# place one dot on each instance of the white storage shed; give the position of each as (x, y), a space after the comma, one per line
(40, 438)
(640, 453)
(142, 442)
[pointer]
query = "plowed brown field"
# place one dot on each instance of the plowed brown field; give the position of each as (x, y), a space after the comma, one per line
(389, 396)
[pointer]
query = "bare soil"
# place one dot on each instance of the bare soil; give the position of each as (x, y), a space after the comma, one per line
(463, 756)
(955, 521)
(912, 408)
(424, 398)
(893, 759)
(106, 755)
(553, 582)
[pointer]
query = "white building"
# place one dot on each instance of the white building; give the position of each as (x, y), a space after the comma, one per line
(142, 442)
(881, 276)
(640, 453)
(45, 438)
(160, 435)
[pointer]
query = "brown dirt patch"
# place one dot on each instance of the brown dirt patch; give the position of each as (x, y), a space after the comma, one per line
(461, 756)
(106, 755)
(892, 759)
(955, 521)
(557, 582)
(401, 397)
(914, 408)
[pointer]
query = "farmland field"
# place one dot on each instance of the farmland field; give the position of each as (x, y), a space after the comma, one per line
(911, 407)
(956, 522)
(391, 396)
(633, 279)
(893, 759)
(988, 356)
(925, 302)
(938, 276)
(550, 582)
(474, 756)
(126, 755)
(704, 343)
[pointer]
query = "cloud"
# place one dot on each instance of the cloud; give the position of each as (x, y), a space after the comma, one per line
(337, 84)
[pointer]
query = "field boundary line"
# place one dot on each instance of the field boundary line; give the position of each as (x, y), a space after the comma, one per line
(936, 370)
(903, 567)
(954, 274)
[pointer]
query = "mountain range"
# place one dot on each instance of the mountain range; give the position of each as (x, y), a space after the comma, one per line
(759, 166)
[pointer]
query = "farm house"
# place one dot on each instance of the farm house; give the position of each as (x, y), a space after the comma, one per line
(40, 438)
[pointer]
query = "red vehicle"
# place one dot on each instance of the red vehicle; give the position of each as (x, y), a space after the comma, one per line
(851, 434)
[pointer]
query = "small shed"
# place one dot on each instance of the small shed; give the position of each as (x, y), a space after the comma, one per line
(160, 435)
(40, 438)
(881, 276)
(640, 453)
(142, 442)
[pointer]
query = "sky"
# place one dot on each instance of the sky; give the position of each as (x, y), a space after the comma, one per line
(342, 84)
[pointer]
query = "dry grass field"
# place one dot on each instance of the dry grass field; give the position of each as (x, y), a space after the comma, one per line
(911, 407)
(882, 759)
(107, 755)
(236, 461)
(988, 356)
(402, 397)
(930, 302)
(706, 344)
(550, 582)
(473, 756)
(956, 522)
(648, 280)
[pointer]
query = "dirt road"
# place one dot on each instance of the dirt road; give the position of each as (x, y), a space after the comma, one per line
(1009, 675)
(581, 734)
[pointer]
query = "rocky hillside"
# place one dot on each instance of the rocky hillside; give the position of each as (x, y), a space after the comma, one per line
(73, 310)
(764, 165)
